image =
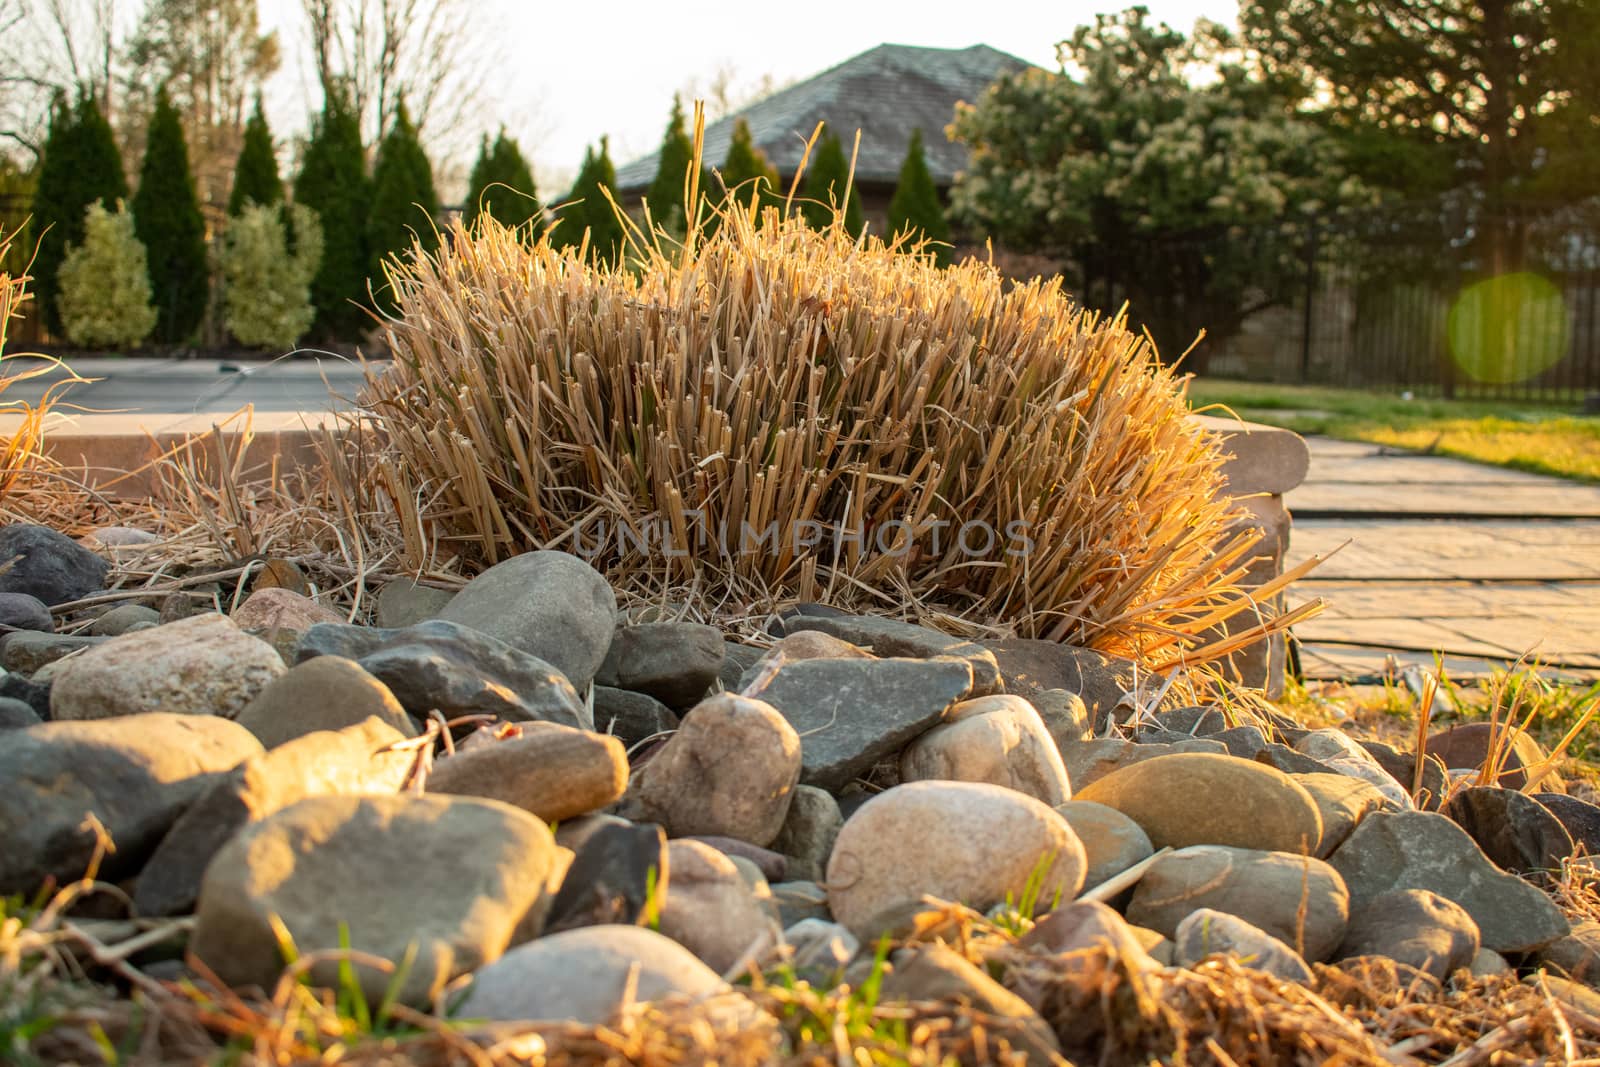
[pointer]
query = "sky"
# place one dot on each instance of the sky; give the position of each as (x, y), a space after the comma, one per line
(556, 92)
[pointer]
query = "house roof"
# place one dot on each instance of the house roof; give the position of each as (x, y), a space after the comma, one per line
(885, 93)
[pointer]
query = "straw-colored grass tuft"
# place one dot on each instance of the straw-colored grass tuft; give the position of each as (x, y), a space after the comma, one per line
(772, 413)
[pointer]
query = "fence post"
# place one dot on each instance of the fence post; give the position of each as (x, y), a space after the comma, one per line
(1311, 297)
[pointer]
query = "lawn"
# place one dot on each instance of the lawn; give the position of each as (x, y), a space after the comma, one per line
(1542, 439)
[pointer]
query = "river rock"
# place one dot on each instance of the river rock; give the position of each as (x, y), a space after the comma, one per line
(712, 911)
(800, 900)
(24, 611)
(555, 772)
(1205, 932)
(852, 713)
(549, 605)
(675, 662)
(124, 618)
(1089, 761)
(326, 693)
(34, 694)
(1287, 760)
(621, 873)
(1423, 850)
(893, 639)
(117, 537)
(1028, 665)
(1577, 955)
(1341, 753)
(17, 714)
(757, 863)
(630, 717)
(1268, 890)
(204, 665)
(1088, 924)
(995, 739)
(934, 972)
(1467, 745)
(1112, 842)
(1194, 720)
(347, 762)
(1516, 832)
(1196, 798)
(961, 841)
(809, 831)
(1402, 767)
(1414, 927)
(822, 950)
(52, 567)
(31, 651)
(587, 977)
(275, 608)
(461, 879)
(1342, 802)
(136, 774)
(403, 603)
(1065, 715)
(455, 669)
(1580, 818)
(730, 769)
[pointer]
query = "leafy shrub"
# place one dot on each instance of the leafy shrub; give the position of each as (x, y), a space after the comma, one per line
(268, 298)
(783, 381)
(105, 283)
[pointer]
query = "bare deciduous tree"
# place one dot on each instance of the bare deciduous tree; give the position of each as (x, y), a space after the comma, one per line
(52, 46)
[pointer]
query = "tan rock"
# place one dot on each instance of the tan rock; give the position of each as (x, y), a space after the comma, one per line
(274, 608)
(1196, 798)
(711, 910)
(996, 739)
(1342, 802)
(555, 772)
(1111, 841)
(326, 693)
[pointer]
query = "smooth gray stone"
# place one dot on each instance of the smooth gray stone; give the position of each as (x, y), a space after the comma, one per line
(52, 567)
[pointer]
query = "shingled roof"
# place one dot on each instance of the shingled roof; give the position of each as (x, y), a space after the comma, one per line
(885, 93)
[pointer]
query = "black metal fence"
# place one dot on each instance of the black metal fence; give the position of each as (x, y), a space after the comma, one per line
(1442, 300)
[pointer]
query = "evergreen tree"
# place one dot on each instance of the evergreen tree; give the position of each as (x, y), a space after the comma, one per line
(666, 195)
(333, 183)
(502, 187)
(746, 172)
(404, 203)
(81, 166)
(255, 178)
(589, 210)
(915, 206)
(824, 187)
(167, 219)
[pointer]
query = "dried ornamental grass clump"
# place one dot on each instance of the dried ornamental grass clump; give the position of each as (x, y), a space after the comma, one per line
(777, 412)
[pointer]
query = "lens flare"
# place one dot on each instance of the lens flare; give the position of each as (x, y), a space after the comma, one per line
(1508, 328)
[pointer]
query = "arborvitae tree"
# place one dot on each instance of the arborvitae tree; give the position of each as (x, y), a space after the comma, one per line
(333, 183)
(502, 187)
(666, 194)
(824, 187)
(404, 203)
(915, 206)
(746, 172)
(81, 166)
(166, 216)
(105, 284)
(590, 210)
(268, 303)
(255, 179)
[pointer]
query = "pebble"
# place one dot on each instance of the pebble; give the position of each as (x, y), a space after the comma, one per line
(809, 831)
(117, 537)
(136, 774)
(549, 605)
(1112, 842)
(275, 608)
(123, 618)
(329, 763)
(554, 772)
(1516, 832)
(203, 665)
(996, 739)
(800, 900)
(34, 694)
(454, 669)
(712, 911)
(1206, 932)
(730, 770)
(892, 638)
(473, 876)
(1299, 900)
(760, 863)
(674, 662)
(1197, 798)
(853, 713)
(1065, 715)
(53, 567)
(1416, 928)
(17, 714)
(25, 612)
(958, 841)
(619, 873)
(587, 976)
(326, 693)
(31, 651)
(403, 603)
(822, 950)
(1424, 850)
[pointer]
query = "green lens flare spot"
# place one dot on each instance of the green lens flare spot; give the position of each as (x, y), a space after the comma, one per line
(1508, 329)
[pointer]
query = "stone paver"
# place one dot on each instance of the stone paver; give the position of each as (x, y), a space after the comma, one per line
(1484, 587)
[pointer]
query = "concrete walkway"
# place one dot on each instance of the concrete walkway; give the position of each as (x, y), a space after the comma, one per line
(1515, 567)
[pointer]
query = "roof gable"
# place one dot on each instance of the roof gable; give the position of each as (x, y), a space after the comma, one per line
(886, 93)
